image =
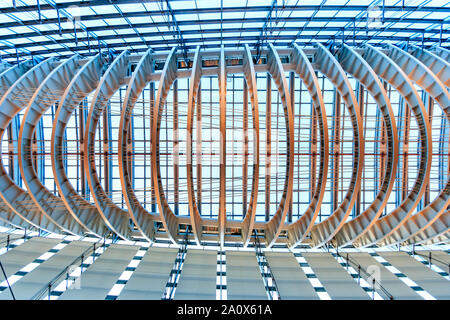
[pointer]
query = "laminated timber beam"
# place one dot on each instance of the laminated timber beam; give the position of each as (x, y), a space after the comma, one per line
(107, 179)
(142, 219)
(405, 150)
(250, 80)
(298, 230)
(49, 91)
(292, 95)
(360, 97)
(273, 228)
(268, 158)
(244, 148)
(130, 151)
(13, 166)
(198, 148)
(152, 112)
(80, 132)
(176, 151)
(358, 68)
(222, 217)
(194, 82)
(84, 82)
(386, 68)
(419, 67)
(336, 147)
(114, 77)
(13, 101)
(383, 147)
(430, 109)
(313, 151)
(168, 76)
(326, 63)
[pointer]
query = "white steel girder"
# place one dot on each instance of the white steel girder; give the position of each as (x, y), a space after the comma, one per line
(12, 102)
(273, 228)
(250, 79)
(397, 78)
(431, 83)
(298, 230)
(355, 65)
(326, 63)
(8, 77)
(83, 83)
(194, 83)
(114, 217)
(49, 91)
(142, 219)
(168, 76)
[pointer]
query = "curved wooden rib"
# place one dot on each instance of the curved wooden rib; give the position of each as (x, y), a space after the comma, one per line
(328, 65)
(443, 238)
(44, 97)
(443, 53)
(435, 232)
(298, 230)
(250, 78)
(439, 66)
(113, 216)
(222, 219)
(425, 78)
(4, 66)
(12, 102)
(168, 75)
(10, 75)
(440, 228)
(84, 82)
(273, 228)
(439, 231)
(7, 78)
(396, 77)
(141, 218)
(355, 65)
(194, 82)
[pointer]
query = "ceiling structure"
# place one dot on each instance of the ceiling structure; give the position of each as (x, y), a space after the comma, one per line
(346, 102)
(282, 149)
(108, 150)
(46, 27)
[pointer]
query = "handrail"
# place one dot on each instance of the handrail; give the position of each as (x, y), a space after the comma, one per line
(6, 279)
(8, 240)
(182, 251)
(364, 272)
(46, 289)
(430, 258)
(259, 254)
